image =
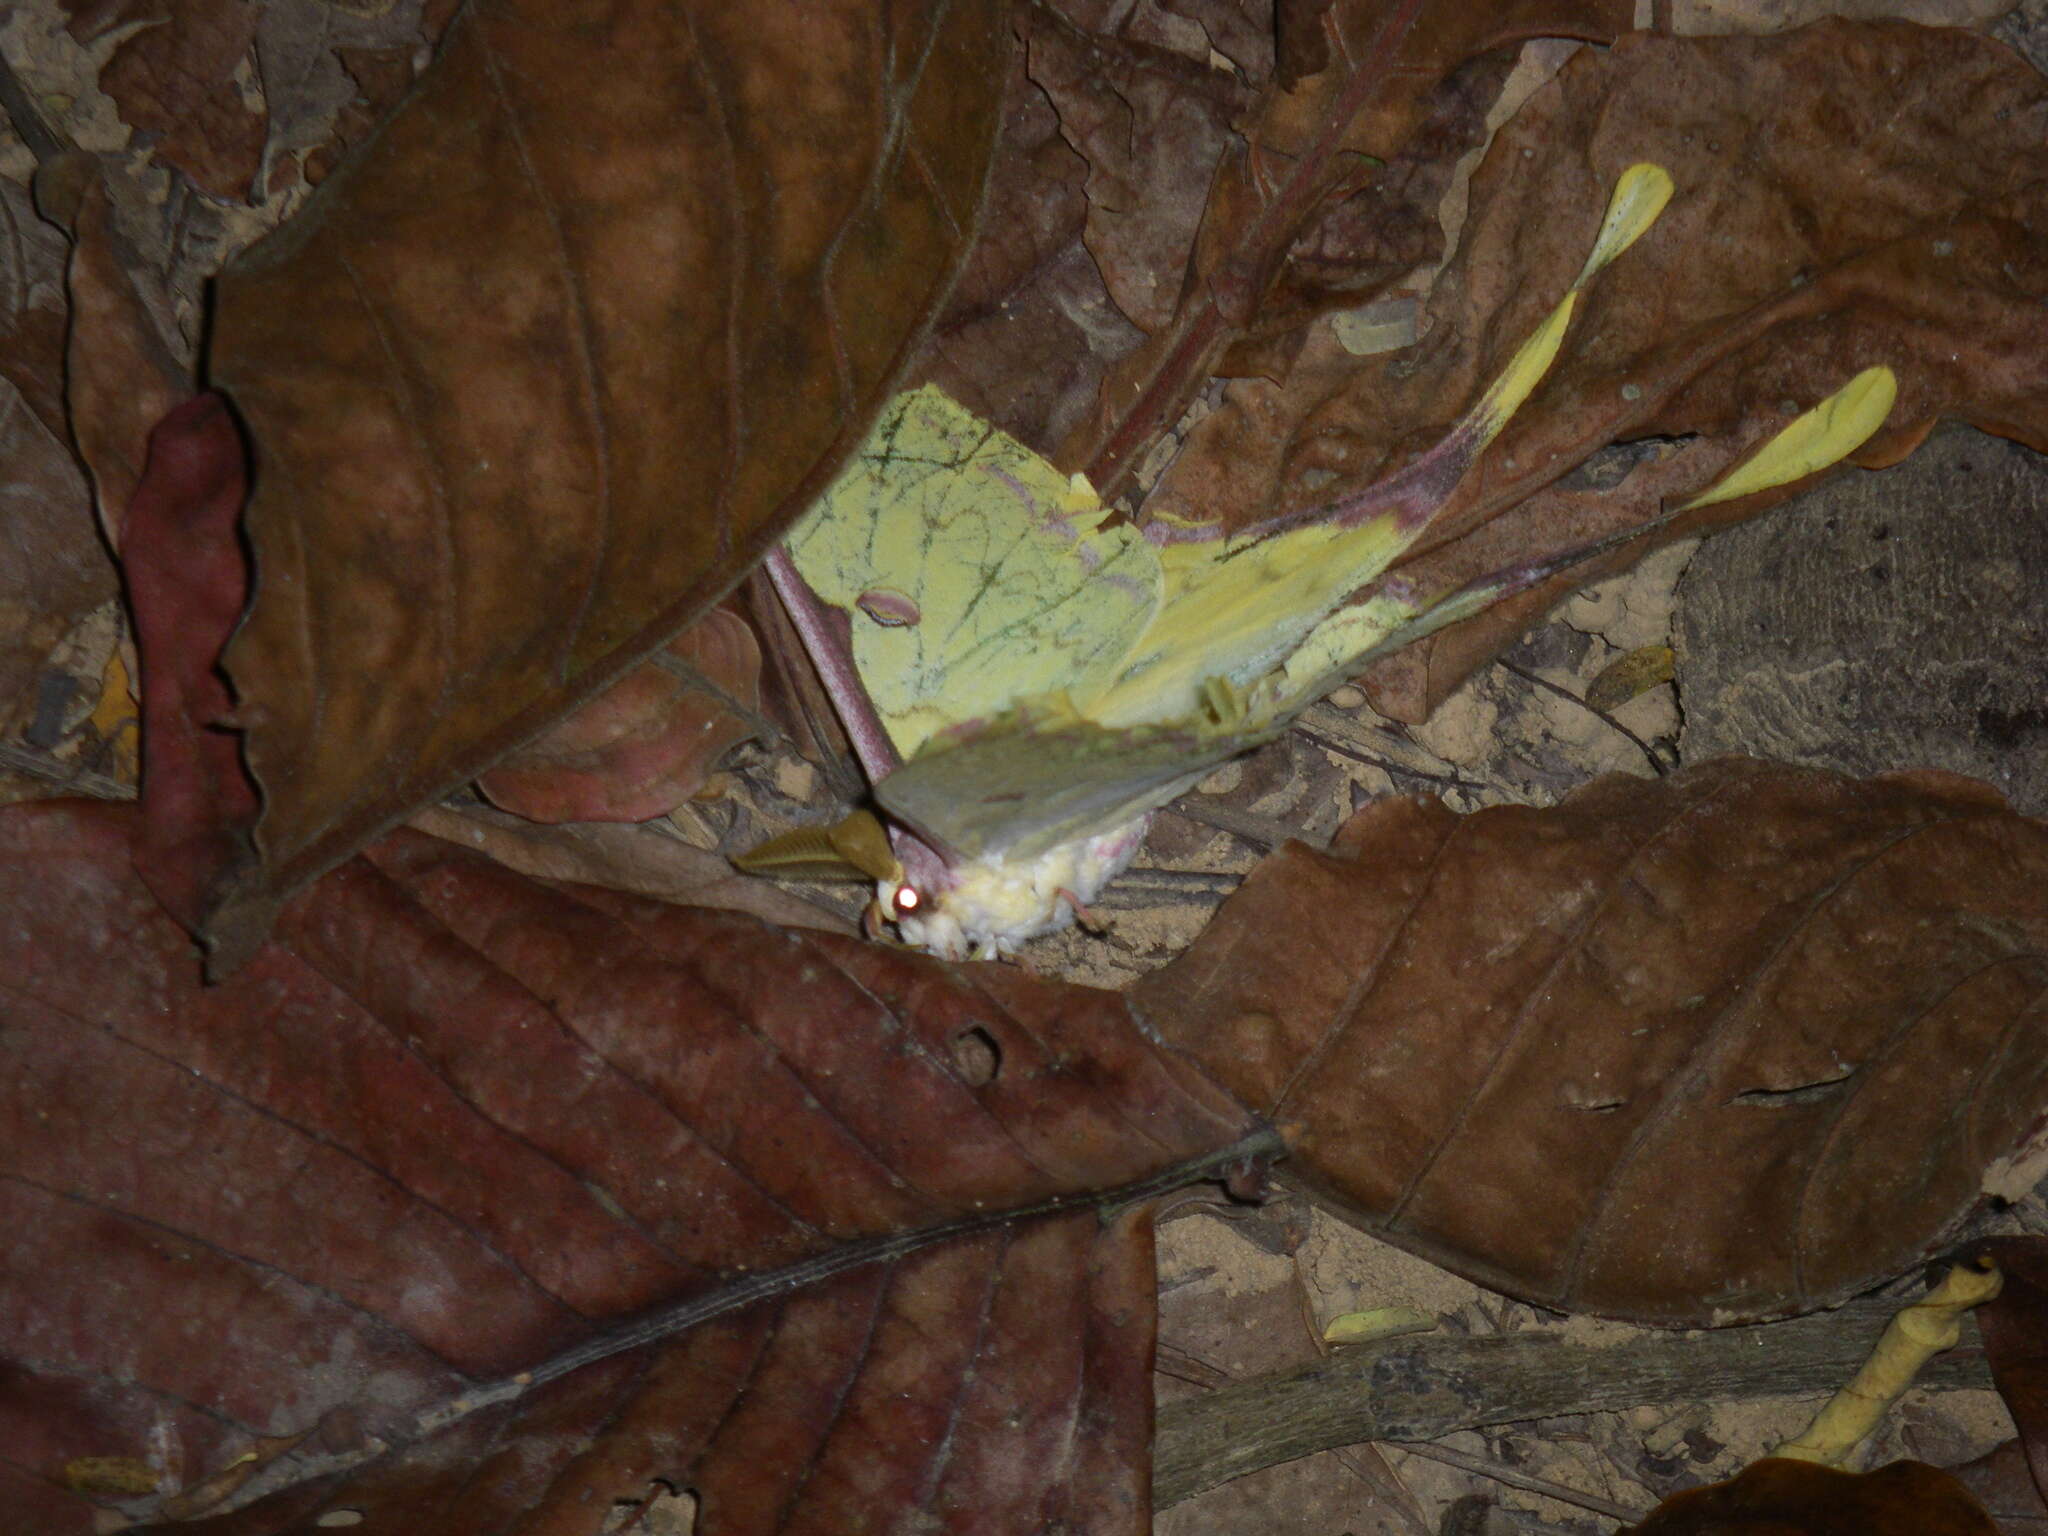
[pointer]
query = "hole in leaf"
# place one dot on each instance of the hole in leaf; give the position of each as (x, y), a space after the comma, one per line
(666, 1511)
(977, 1056)
(1595, 1101)
(1792, 1098)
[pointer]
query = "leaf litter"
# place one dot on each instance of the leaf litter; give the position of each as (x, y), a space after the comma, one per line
(1478, 786)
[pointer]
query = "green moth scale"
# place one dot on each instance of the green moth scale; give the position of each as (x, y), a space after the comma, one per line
(1027, 678)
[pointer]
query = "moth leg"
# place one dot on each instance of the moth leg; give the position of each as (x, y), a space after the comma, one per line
(1085, 916)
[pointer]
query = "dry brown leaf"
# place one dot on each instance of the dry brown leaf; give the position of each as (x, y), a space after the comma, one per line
(175, 76)
(541, 374)
(1776, 1497)
(1330, 192)
(53, 569)
(125, 364)
(1826, 219)
(1738, 1042)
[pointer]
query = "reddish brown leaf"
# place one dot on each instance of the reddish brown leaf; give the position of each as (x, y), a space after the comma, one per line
(1825, 220)
(2015, 1324)
(646, 744)
(540, 376)
(1777, 1497)
(1742, 1041)
(384, 1211)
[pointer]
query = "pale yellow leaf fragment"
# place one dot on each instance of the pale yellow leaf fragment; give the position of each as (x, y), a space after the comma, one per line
(1376, 1323)
(1916, 1335)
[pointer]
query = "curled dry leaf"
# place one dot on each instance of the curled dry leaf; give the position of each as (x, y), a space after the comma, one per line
(55, 571)
(1738, 1042)
(126, 367)
(471, 1199)
(537, 377)
(647, 743)
(1848, 194)
(187, 581)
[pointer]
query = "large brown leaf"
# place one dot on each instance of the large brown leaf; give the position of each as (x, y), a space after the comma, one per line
(1848, 194)
(541, 373)
(1733, 1043)
(471, 1200)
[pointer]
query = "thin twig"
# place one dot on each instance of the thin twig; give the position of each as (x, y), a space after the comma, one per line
(1656, 758)
(1480, 1466)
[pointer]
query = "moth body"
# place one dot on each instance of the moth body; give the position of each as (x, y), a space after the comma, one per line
(982, 908)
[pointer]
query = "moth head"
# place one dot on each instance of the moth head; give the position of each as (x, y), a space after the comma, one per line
(911, 893)
(991, 906)
(957, 909)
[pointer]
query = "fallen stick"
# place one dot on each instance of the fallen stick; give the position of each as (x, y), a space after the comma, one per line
(1420, 1387)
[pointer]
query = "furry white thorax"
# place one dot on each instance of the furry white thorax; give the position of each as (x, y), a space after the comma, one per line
(993, 906)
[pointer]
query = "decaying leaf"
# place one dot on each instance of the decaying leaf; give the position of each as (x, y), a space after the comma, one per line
(472, 1199)
(177, 75)
(1329, 194)
(1734, 1043)
(1153, 160)
(593, 315)
(1826, 219)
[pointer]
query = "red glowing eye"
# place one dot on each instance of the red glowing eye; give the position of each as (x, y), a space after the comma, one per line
(907, 900)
